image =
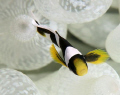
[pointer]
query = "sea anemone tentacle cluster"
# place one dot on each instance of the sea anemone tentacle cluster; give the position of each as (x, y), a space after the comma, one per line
(21, 46)
(24, 49)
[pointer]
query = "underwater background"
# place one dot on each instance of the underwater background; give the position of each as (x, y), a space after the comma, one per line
(26, 66)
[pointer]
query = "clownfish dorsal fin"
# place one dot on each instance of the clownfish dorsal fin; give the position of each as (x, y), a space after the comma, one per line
(56, 56)
(96, 56)
(40, 31)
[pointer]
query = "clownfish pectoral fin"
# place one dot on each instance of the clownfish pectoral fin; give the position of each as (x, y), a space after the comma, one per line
(56, 56)
(96, 56)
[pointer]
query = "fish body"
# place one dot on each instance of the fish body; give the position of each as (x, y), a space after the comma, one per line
(72, 57)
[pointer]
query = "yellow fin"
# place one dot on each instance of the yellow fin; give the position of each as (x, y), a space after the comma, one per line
(56, 56)
(96, 56)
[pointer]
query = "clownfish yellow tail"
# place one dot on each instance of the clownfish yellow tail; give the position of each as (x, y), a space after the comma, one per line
(97, 56)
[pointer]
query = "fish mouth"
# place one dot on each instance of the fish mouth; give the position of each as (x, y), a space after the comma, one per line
(83, 72)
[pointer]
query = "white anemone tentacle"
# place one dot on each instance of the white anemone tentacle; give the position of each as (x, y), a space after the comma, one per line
(22, 47)
(101, 79)
(13, 82)
(72, 11)
(113, 44)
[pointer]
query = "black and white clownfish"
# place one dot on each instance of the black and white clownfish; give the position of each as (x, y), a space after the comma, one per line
(72, 58)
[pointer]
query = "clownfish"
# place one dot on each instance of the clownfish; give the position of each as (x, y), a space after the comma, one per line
(72, 58)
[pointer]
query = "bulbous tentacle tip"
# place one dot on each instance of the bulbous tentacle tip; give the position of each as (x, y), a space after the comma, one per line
(13, 82)
(109, 85)
(100, 80)
(22, 28)
(72, 11)
(113, 44)
(21, 46)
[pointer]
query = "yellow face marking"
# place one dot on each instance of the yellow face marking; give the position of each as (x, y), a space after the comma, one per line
(81, 68)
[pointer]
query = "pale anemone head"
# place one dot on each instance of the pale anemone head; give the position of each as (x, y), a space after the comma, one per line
(108, 85)
(94, 33)
(113, 44)
(115, 4)
(72, 11)
(13, 82)
(22, 28)
(21, 46)
(98, 81)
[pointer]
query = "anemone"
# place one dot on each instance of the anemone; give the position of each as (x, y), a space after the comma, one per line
(21, 46)
(98, 81)
(72, 11)
(94, 33)
(113, 44)
(13, 82)
(115, 4)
